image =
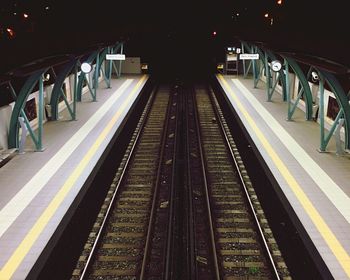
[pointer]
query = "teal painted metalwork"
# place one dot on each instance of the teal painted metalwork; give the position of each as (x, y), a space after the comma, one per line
(268, 78)
(96, 76)
(23, 114)
(82, 78)
(75, 91)
(114, 51)
(109, 68)
(246, 69)
(305, 87)
(39, 146)
(111, 64)
(343, 102)
(18, 110)
(102, 57)
(120, 62)
(257, 68)
(57, 91)
(280, 76)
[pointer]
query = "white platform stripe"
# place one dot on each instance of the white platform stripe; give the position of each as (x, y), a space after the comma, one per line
(21, 200)
(334, 193)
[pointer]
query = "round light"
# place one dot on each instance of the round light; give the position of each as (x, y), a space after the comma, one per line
(276, 65)
(86, 67)
(46, 77)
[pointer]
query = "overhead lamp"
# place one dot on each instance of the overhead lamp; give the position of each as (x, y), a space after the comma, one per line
(86, 67)
(46, 77)
(266, 15)
(25, 15)
(276, 65)
(10, 31)
(314, 76)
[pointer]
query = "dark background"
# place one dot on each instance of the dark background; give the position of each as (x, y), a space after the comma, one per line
(172, 36)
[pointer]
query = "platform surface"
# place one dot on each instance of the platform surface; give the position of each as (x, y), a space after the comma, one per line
(37, 188)
(316, 184)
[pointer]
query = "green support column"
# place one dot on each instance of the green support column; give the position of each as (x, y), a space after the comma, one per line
(82, 78)
(96, 75)
(102, 58)
(18, 110)
(280, 76)
(342, 100)
(244, 67)
(57, 90)
(109, 72)
(246, 48)
(268, 78)
(323, 145)
(286, 66)
(75, 92)
(39, 146)
(305, 87)
(120, 62)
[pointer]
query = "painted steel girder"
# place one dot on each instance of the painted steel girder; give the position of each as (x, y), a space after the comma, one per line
(57, 89)
(305, 84)
(342, 100)
(27, 88)
(282, 76)
(81, 78)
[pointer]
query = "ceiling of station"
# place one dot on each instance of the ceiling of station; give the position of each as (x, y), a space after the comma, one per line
(31, 29)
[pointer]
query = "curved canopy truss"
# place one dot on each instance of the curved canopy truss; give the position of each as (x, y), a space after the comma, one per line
(39, 72)
(327, 71)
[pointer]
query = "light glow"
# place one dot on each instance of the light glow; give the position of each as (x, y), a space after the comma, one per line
(10, 32)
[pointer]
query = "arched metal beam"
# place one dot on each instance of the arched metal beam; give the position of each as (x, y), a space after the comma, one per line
(82, 78)
(100, 69)
(280, 76)
(344, 108)
(258, 68)
(111, 64)
(18, 111)
(57, 91)
(288, 61)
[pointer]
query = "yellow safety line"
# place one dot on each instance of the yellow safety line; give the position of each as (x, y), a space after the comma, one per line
(329, 237)
(23, 248)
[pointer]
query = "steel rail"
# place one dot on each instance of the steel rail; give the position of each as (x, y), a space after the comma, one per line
(191, 234)
(206, 188)
(155, 195)
(98, 238)
(261, 234)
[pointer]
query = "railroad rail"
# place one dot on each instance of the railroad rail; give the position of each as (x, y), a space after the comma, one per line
(116, 244)
(199, 221)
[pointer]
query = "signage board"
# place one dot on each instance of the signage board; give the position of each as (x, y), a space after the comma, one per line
(115, 56)
(231, 57)
(249, 56)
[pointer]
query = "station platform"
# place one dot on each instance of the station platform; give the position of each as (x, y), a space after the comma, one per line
(315, 184)
(37, 188)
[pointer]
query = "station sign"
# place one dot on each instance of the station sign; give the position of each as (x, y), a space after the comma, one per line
(253, 56)
(115, 56)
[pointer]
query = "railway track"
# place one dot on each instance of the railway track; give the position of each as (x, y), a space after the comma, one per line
(245, 247)
(217, 231)
(116, 246)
